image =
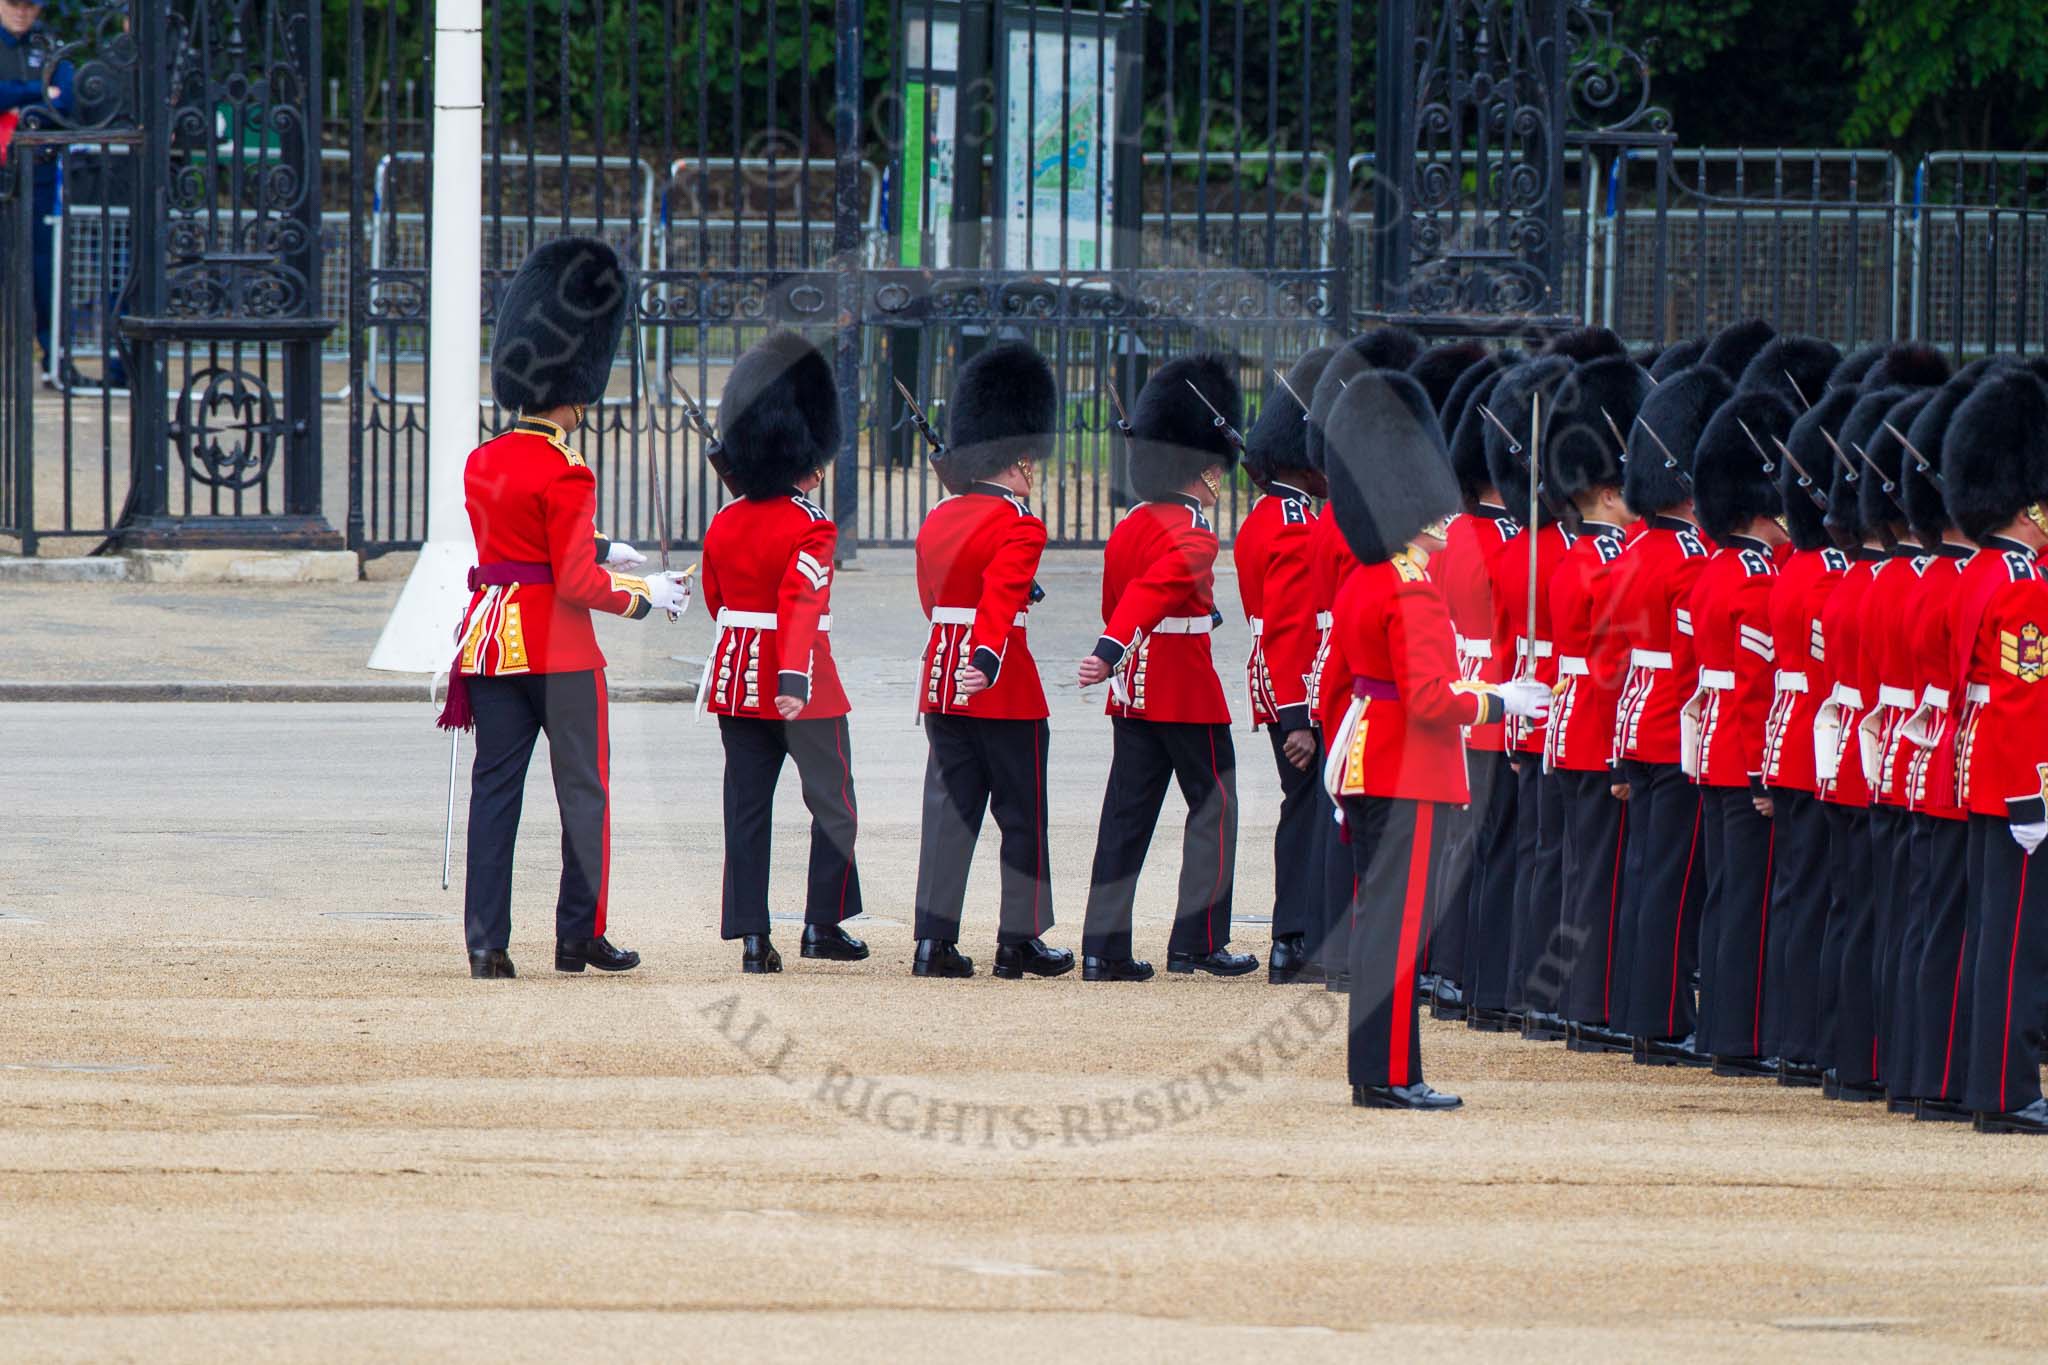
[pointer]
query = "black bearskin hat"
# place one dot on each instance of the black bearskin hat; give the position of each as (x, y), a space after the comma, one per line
(1585, 343)
(1734, 468)
(1383, 348)
(1794, 368)
(1910, 364)
(1888, 453)
(1667, 428)
(1174, 437)
(1507, 452)
(1679, 355)
(1994, 464)
(1453, 408)
(1845, 510)
(1390, 476)
(1580, 447)
(1804, 518)
(1856, 364)
(1005, 408)
(558, 325)
(1926, 513)
(1735, 345)
(779, 416)
(1278, 440)
(1468, 437)
(1439, 368)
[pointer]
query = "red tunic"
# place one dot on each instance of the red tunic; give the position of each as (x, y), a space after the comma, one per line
(1888, 648)
(532, 501)
(1272, 553)
(2001, 651)
(1840, 652)
(1798, 596)
(1393, 628)
(1592, 655)
(1473, 544)
(1653, 579)
(1931, 731)
(1731, 618)
(768, 579)
(977, 555)
(1330, 561)
(1511, 619)
(1158, 607)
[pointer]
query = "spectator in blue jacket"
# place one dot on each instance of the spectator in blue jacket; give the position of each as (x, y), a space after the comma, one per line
(31, 76)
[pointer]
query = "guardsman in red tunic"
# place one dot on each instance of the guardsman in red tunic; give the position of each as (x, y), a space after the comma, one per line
(1931, 995)
(1532, 992)
(1802, 866)
(979, 694)
(1483, 656)
(1888, 643)
(1272, 554)
(1995, 474)
(1583, 467)
(1482, 834)
(527, 659)
(1168, 717)
(1664, 880)
(1331, 561)
(1735, 495)
(770, 679)
(1396, 747)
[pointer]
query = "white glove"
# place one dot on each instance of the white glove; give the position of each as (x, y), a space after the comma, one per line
(2029, 837)
(623, 556)
(669, 592)
(1526, 698)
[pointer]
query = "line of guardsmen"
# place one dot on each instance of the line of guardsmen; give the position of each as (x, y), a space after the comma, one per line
(1741, 764)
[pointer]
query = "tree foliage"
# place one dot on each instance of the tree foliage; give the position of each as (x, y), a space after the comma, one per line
(1962, 73)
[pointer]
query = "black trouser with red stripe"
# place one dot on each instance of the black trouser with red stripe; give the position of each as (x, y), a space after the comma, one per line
(1451, 875)
(1595, 840)
(1891, 839)
(1298, 845)
(2008, 926)
(1391, 840)
(754, 750)
(511, 712)
(1533, 983)
(1899, 1011)
(996, 766)
(1147, 755)
(1661, 914)
(1734, 926)
(1339, 881)
(1491, 916)
(1939, 994)
(1800, 871)
(1848, 1011)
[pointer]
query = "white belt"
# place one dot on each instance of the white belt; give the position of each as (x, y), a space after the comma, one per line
(1978, 693)
(1258, 625)
(1325, 619)
(1185, 625)
(1649, 658)
(1936, 697)
(1716, 679)
(728, 619)
(1894, 696)
(1543, 648)
(1470, 647)
(1845, 695)
(1790, 680)
(961, 616)
(1572, 665)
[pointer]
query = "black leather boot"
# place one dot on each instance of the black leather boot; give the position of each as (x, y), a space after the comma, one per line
(574, 954)
(936, 957)
(493, 964)
(757, 955)
(832, 943)
(1115, 969)
(1031, 958)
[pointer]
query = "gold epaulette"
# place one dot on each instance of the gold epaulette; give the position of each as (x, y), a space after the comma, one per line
(554, 436)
